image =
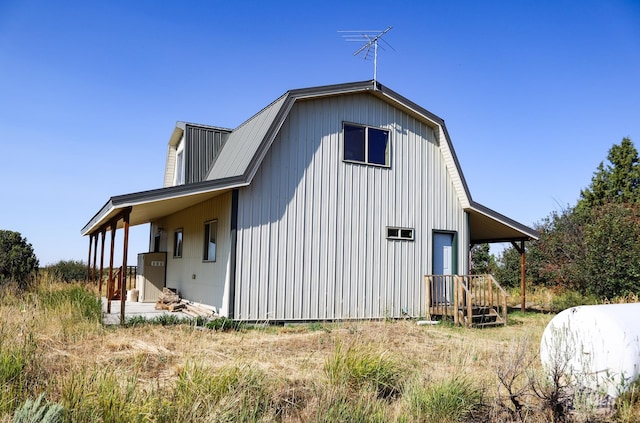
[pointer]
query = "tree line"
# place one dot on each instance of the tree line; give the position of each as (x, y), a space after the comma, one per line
(592, 247)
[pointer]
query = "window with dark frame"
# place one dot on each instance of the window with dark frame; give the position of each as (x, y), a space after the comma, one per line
(177, 243)
(365, 144)
(400, 234)
(210, 240)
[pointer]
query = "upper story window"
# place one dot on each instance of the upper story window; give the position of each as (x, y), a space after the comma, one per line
(365, 144)
(179, 171)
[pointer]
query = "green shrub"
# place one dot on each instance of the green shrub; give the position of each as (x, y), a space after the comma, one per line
(570, 298)
(224, 324)
(136, 321)
(360, 367)
(18, 262)
(68, 270)
(164, 319)
(38, 411)
(447, 401)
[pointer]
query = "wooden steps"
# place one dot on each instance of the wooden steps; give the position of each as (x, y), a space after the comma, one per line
(471, 300)
(485, 316)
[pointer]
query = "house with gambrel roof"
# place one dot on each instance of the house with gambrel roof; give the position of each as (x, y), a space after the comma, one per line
(332, 202)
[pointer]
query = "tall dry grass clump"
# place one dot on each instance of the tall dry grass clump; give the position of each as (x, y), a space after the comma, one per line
(358, 367)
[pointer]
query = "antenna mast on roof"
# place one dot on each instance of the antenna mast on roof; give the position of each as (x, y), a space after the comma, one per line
(370, 39)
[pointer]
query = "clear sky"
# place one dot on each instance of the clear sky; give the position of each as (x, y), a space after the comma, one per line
(534, 93)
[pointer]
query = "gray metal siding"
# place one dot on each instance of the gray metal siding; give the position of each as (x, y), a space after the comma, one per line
(203, 145)
(312, 228)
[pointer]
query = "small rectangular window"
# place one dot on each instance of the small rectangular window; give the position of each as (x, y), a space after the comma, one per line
(210, 240)
(364, 144)
(177, 243)
(396, 233)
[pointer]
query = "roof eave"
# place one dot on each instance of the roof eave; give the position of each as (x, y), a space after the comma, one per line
(527, 232)
(117, 203)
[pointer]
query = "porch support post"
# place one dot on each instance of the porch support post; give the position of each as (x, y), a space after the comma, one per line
(95, 255)
(123, 276)
(520, 248)
(102, 235)
(110, 280)
(89, 260)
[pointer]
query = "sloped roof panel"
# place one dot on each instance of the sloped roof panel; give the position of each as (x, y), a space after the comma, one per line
(244, 142)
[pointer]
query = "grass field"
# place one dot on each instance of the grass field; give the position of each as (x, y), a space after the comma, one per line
(52, 342)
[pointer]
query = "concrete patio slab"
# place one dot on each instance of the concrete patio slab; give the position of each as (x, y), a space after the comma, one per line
(133, 309)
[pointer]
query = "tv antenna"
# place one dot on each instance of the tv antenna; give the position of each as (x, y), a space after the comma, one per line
(370, 39)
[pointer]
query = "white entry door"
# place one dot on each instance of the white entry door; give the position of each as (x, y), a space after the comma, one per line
(443, 266)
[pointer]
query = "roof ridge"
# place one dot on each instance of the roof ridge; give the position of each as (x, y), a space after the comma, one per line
(260, 111)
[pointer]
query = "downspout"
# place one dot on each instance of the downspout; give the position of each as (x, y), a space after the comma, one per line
(234, 253)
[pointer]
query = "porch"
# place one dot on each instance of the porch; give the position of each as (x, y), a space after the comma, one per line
(471, 300)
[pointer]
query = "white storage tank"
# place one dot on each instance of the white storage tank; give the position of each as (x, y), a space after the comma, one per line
(597, 346)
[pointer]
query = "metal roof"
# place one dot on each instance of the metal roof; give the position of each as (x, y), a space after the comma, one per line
(247, 145)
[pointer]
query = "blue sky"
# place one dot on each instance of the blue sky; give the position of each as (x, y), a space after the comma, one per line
(534, 93)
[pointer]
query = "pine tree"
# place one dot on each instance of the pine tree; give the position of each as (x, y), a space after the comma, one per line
(618, 181)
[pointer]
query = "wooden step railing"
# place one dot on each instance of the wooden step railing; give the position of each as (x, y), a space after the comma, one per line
(471, 300)
(113, 284)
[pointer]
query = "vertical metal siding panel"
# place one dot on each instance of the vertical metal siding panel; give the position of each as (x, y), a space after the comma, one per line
(324, 179)
(320, 232)
(264, 264)
(245, 257)
(301, 233)
(311, 204)
(327, 178)
(278, 289)
(422, 142)
(341, 196)
(292, 230)
(384, 280)
(240, 292)
(202, 147)
(265, 258)
(277, 260)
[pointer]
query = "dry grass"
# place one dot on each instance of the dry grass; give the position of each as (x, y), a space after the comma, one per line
(162, 351)
(72, 353)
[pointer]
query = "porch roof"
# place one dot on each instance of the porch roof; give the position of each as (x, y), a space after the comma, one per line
(486, 225)
(147, 206)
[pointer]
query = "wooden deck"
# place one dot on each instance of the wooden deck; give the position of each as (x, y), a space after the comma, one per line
(470, 300)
